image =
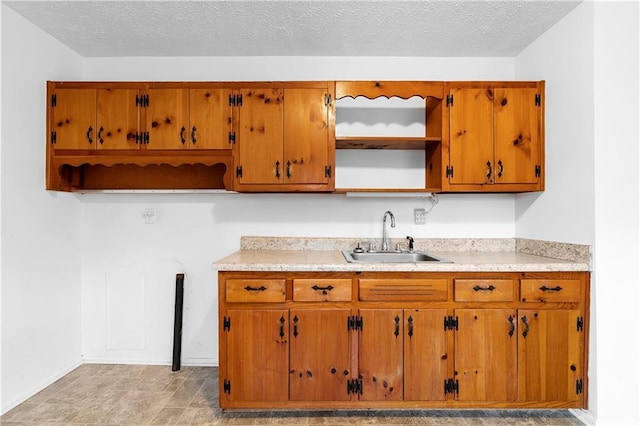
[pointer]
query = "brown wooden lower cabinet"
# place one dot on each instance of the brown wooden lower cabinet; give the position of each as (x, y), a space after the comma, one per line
(488, 340)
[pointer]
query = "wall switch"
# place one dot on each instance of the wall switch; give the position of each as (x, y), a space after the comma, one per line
(420, 216)
(149, 216)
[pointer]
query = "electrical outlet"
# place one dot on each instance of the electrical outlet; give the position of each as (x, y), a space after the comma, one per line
(419, 216)
(149, 216)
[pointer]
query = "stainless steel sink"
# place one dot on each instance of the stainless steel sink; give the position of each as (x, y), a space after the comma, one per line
(390, 257)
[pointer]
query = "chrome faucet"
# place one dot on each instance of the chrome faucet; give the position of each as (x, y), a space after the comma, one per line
(385, 237)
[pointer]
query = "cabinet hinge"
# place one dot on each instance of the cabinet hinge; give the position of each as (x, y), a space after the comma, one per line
(579, 324)
(354, 322)
(232, 137)
(327, 99)
(54, 100)
(327, 171)
(226, 387)
(235, 100)
(142, 137)
(354, 386)
(226, 324)
(142, 101)
(449, 100)
(538, 170)
(448, 172)
(451, 386)
(450, 323)
(578, 386)
(239, 171)
(538, 100)
(54, 137)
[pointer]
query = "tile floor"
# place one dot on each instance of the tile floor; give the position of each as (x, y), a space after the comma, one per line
(154, 395)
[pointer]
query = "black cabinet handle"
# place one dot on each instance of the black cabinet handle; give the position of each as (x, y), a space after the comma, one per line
(545, 288)
(89, 131)
(100, 135)
(397, 329)
(182, 130)
(295, 326)
(193, 135)
(489, 170)
(324, 290)
(500, 168)
(512, 326)
(288, 169)
(478, 288)
(278, 169)
(410, 321)
(282, 327)
(525, 321)
(249, 288)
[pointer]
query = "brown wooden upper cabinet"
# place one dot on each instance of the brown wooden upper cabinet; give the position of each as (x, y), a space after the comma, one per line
(495, 140)
(119, 118)
(283, 138)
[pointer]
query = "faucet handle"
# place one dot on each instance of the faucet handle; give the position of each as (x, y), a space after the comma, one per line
(359, 248)
(410, 243)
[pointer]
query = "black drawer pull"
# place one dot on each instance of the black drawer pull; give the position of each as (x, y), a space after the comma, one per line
(545, 288)
(249, 288)
(478, 288)
(329, 288)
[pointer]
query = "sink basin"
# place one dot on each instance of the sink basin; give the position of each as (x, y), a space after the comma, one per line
(390, 257)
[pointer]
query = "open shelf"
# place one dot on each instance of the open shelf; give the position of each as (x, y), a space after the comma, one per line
(194, 170)
(388, 137)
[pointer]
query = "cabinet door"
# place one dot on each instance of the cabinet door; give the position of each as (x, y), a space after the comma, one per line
(380, 354)
(259, 140)
(517, 135)
(485, 355)
(166, 119)
(550, 353)
(425, 356)
(209, 118)
(257, 355)
(471, 136)
(73, 119)
(306, 136)
(320, 355)
(117, 119)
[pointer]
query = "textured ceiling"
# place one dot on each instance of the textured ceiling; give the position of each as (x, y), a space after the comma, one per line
(295, 28)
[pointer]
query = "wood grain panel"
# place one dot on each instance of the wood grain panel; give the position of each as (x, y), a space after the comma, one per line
(403, 289)
(247, 291)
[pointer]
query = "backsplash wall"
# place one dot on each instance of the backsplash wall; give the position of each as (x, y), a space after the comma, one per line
(191, 231)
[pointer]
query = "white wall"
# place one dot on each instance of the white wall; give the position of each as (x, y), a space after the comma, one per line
(616, 255)
(40, 230)
(590, 62)
(563, 57)
(192, 231)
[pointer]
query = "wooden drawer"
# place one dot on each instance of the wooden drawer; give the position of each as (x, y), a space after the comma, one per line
(484, 290)
(322, 290)
(550, 290)
(248, 291)
(403, 289)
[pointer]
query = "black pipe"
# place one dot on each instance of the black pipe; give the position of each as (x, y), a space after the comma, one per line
(177, 323)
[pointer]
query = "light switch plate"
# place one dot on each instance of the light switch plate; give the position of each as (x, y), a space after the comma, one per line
(419, 216)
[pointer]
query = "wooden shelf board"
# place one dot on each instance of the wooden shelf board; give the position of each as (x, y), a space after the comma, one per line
(384, 142)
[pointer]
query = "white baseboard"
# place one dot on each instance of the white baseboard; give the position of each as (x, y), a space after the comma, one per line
(190, 362)
(19, 399)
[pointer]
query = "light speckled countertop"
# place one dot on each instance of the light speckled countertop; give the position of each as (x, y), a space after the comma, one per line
(467, 255)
